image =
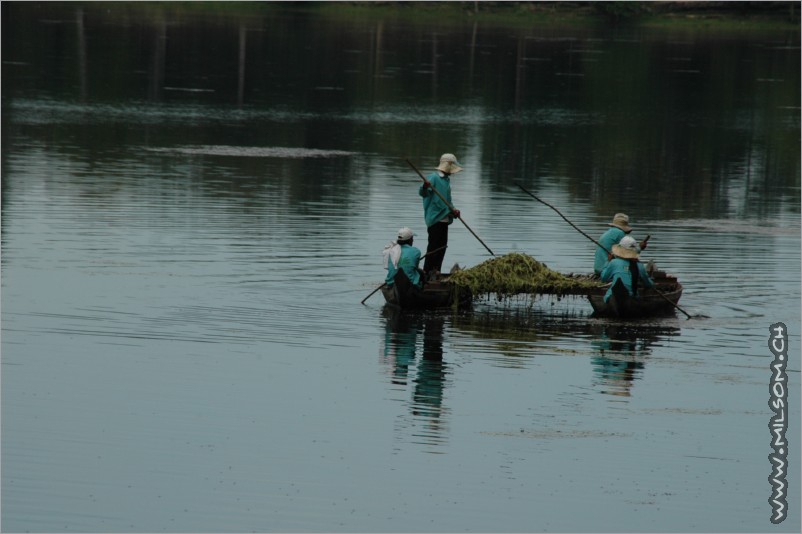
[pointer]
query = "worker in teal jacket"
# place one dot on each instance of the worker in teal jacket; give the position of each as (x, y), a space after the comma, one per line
(438, 214)
(618, 229)
(625, 267)
(402, 255)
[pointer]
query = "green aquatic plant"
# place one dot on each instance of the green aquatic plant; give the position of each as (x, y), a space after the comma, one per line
(517, 273)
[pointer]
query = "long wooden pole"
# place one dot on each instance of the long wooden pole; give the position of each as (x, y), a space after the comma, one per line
(385, 283)
(599, 244)
(563, 216)
(451, 208)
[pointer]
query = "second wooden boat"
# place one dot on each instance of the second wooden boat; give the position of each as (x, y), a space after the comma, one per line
(650, 302)
(438, 293)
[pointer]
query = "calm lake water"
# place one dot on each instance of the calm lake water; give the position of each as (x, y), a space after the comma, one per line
(194, 205)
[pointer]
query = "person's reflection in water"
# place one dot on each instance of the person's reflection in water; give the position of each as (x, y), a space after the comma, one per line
(400, 338)
(402, 328)
(430, 381)
(620, 359)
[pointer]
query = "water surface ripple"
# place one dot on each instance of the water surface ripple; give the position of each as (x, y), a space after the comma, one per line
(193, 209)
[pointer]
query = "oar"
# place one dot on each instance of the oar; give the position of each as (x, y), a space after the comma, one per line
(600, 245)
(372, 292)
(451, 208)
(385, 283)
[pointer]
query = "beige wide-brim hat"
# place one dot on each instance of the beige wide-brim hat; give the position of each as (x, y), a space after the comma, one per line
(627, 248)
(625, 253)
(621, 220)
(449, 164)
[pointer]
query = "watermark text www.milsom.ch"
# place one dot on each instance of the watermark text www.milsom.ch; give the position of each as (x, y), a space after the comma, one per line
(778, 425)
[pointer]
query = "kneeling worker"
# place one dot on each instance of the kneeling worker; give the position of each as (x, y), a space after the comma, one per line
(402, 255)
(625, 267)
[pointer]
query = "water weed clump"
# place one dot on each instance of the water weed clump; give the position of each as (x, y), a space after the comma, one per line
(517, 273)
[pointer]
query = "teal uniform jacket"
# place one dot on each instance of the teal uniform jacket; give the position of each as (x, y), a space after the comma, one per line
(410, 257)
(434, 209)
(618, 268)
(607, 240)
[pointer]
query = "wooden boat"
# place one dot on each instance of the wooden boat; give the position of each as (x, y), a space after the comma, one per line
(648, 303)
(438, 293)
(441, 293)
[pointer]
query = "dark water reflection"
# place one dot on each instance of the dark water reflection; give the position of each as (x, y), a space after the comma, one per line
(675, 118)
(194, 206)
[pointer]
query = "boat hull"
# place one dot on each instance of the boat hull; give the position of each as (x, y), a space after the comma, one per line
(441, 293)
(435, 294)
(649, 303)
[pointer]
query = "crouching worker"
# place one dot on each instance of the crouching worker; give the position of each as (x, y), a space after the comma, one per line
(625, 266)
(402, 255)
(618, 229)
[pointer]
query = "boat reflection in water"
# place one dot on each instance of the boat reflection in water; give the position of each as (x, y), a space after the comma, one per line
(509, 337)
(426, 423)
(621, 354)
(516, 335)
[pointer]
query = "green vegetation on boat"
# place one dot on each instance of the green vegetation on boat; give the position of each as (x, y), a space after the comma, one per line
(517, 273)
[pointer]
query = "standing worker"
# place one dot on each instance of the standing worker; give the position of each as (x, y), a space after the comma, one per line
(438, 214)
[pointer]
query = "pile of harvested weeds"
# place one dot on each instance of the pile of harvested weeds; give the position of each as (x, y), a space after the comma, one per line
(517, 273)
